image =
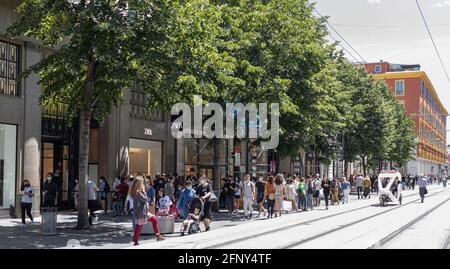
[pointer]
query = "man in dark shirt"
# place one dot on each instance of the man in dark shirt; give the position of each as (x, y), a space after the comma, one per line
(50, 191)
(229, 188)
(260, 187)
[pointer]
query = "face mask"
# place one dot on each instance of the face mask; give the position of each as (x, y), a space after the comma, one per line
(49, 178)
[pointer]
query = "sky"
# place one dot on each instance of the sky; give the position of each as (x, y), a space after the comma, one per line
(393, 31)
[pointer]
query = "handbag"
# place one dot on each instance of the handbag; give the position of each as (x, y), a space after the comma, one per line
(213, 198)
(426, 191)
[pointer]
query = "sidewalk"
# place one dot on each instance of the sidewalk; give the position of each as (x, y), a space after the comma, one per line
(110, 232)
(107, 232)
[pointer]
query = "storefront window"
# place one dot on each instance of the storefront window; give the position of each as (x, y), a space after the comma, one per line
(7, 165)
(145, 157)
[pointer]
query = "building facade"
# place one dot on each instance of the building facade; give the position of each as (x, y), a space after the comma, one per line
(36, 140)
(412, 88)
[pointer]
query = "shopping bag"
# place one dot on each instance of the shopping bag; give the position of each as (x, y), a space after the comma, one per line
(287, 205)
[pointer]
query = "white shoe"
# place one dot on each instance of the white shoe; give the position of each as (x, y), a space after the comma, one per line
(95, 219)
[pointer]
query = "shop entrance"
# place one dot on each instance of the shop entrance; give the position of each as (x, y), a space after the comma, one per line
(206, 170)
(55, 159)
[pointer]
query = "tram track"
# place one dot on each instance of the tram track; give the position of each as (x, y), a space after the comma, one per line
(333, 230)
(446, 244)
(396, 233)
(294, 225)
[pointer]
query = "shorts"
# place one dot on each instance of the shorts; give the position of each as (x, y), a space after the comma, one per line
(206, 211)
(316, 194)
(260, 197)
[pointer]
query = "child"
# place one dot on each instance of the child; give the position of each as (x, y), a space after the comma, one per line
(192, 217)
(164, 204)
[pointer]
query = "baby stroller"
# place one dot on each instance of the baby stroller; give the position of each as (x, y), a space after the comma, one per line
(366, 192)
(192, 225)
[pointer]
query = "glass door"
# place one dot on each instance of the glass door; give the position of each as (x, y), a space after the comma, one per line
(206, 171)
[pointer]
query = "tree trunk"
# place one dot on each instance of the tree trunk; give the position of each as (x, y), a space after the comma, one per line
(85, 119)
(85, 122)
(364, 165)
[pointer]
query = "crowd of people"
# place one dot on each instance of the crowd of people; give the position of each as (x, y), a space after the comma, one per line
(190, 199)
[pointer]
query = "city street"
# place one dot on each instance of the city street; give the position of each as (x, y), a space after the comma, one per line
(359, 224)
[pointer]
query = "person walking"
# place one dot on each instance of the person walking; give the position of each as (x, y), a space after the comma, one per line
(444, 182)
(151, 194)
(50, 191)
(229, 189)
(335, 185)
(75, 193)
(366, 187)
(26, 202)
(129, 206)
(291, 194)
(140, 208)
(169, 189)
(205, 191)
(186, 197)
(237, 195)
(260, 188)
(309, 193)
(359, 185)
(92, 200)
(279, 193)
(122, 192)
(269, 193)
(326, 187)
(301, 191)
(345, 185)
(422, 183)
(317, 185)
(248, 195)
(104, 190)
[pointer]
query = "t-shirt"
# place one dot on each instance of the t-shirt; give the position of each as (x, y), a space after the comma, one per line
(316, 185)
(150, 194)
(25, 197)
(247, 189)
(345, 185)
(92, 195)
(123, 190)
(165, 202)
(227, 188)
(260, 186)
(359, 181)
(238, 188)
(326, 185)
(203, 190)
(129, 202)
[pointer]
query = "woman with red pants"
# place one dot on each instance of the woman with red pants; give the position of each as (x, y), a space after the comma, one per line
(140, 208)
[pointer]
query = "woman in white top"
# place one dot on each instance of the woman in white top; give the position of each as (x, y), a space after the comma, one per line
(291, 194)
(279, 193)
(26, 201)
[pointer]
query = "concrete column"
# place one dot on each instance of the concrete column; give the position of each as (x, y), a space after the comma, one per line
(32, 126)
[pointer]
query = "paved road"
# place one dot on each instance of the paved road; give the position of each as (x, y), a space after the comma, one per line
(359, 224)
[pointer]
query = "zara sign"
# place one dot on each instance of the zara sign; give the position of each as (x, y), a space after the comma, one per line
(148, 131)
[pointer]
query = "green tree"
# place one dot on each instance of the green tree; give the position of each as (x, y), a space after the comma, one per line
(97, 46)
